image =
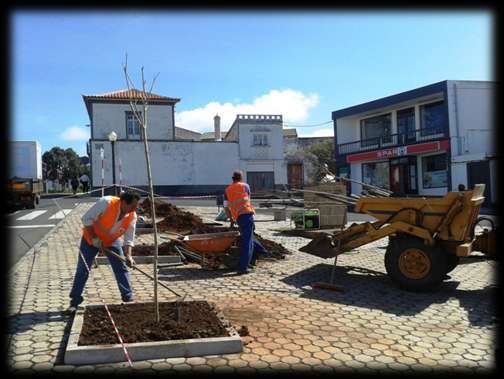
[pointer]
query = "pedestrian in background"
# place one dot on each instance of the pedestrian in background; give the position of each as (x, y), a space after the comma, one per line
(84, 179)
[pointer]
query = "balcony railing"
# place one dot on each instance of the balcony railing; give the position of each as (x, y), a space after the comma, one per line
(391, 140)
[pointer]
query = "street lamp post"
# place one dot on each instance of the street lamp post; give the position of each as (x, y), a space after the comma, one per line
(112, 137)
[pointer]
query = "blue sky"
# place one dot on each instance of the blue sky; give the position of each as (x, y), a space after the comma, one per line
(303, 65)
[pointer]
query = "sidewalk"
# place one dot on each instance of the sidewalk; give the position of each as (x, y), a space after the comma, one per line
(371, 327)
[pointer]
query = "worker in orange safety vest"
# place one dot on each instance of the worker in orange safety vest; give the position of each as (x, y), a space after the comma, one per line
(106, 223)
(239, 209)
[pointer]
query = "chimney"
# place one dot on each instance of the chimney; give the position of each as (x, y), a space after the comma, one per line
(217, 133)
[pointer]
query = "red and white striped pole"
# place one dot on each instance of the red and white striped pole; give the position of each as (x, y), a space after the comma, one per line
(102, 172)
(120, 175)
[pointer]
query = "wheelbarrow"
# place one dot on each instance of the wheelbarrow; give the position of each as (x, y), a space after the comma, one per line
(205, 248)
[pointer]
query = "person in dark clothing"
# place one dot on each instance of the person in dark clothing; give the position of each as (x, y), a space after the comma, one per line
(75, 185)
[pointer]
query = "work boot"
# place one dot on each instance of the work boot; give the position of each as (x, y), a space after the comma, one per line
(128, 300)
(70, 310)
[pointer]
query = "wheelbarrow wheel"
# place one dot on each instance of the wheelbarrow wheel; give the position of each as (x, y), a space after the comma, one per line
(413, 265)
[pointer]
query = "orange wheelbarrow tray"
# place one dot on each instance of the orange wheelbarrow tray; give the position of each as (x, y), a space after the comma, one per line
(210, 242)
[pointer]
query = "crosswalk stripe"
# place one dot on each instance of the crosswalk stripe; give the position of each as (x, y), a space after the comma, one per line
(60, 214)
(30, 226)
(31, 215)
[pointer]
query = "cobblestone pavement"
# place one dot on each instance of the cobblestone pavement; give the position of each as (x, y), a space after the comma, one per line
(371, 326)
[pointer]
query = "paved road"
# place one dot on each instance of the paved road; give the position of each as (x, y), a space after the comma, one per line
(29, 226)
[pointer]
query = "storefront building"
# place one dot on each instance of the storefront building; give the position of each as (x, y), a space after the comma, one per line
(416, 142)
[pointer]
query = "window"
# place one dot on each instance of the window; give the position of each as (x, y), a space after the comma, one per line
(432, 118)
(406, 124)
(375, 128)
(132, 125)
(434, 171)
(376, 174)
(260, 140)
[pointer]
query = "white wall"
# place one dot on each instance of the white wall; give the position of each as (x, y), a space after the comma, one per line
(173, 163)
(471, 109)
(274, 150)
(109, 117)
(459, 174)
(348, 130)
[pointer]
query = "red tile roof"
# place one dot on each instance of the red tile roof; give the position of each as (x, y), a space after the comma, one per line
(125, 94)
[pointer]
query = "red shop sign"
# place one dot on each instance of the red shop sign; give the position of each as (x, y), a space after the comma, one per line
(403, 150)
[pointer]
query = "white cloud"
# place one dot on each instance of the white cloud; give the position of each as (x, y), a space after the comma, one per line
(324, 132)
(294, 106)
(75, 133)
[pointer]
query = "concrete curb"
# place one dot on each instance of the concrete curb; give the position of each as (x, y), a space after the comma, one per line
(82, 355)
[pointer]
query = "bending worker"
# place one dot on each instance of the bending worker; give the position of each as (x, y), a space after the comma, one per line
(105, 223)
(238, 208)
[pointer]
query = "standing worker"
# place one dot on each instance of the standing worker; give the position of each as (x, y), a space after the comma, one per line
(238, 208)
(84, 179)
(75, 185)
(104, 225)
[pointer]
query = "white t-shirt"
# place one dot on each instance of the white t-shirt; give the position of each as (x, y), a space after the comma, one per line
(96, 210)
(84, 178)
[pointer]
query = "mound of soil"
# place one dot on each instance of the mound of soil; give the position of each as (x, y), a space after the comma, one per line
(137, 323)
(182, 222)
(163, 208)
(165, 248)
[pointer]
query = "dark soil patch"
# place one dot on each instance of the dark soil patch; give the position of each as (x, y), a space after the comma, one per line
(179, 221)
(165, 248)
(136, 322)
(243, 331)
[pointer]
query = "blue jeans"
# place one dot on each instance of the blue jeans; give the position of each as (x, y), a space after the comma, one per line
(249, 246)
(81, 274)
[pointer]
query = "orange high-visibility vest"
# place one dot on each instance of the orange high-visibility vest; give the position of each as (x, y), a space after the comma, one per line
(238, 200)
(106, 221)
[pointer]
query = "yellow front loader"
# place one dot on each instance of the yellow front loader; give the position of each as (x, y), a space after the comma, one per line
(426, 235)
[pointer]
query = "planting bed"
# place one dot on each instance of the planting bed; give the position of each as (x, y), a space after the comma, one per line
(201, 330)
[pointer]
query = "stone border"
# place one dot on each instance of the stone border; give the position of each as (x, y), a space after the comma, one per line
(81, 355)
(145, 259)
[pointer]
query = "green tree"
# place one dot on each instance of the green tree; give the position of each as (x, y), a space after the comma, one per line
(73, 165)
(320, 155)
(55, 161)
(62, 165)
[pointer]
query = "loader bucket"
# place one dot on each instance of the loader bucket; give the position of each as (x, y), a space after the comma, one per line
(321, 246)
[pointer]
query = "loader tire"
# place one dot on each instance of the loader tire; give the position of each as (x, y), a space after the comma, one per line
(413, 265)
(452, 261)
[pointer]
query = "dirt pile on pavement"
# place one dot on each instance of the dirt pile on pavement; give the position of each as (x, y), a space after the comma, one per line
(182, 222)
(165, 248)
(137, 323)
(275, 250)
(163, 209)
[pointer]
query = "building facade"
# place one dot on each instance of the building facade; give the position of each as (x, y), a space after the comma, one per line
(425, 141)
(300, 167)
(182, 162)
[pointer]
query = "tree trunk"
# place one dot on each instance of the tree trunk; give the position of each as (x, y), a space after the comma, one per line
(153, 212)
